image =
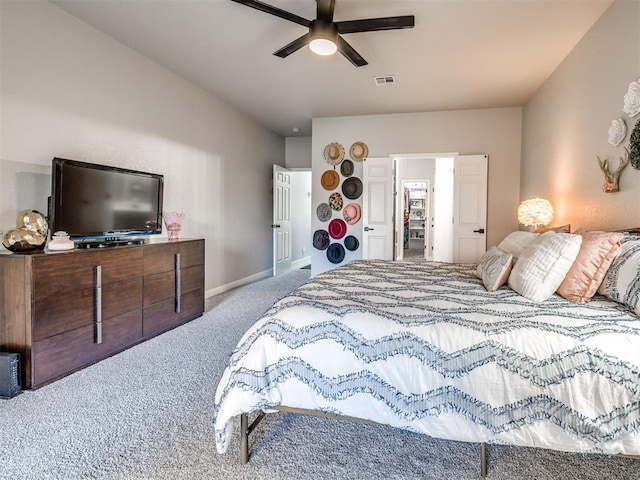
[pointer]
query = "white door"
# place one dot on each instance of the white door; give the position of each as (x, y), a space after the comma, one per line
(377, 209)
(281, 220)
(469, 208)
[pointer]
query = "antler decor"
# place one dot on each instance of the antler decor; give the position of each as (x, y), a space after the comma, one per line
(612, 179)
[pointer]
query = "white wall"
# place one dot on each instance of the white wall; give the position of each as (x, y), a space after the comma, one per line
(68, 90)
(565, 127)
(496, 132)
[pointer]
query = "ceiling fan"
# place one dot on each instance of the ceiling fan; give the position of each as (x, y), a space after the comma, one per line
(325, 35)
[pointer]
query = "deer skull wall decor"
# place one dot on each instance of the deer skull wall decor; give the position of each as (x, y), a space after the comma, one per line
(612, 179)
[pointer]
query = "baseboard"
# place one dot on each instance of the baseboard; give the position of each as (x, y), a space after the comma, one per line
(303, 262)
(253, 278)
(238, 283)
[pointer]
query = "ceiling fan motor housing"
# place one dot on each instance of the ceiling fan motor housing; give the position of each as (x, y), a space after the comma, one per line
(323, 37)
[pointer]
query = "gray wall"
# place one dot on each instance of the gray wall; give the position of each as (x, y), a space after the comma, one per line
(496, 132)
(70, 91)
(298, 152)
(566, 122)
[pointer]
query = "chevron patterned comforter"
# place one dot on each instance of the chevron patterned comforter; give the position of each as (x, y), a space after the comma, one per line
(425, 347)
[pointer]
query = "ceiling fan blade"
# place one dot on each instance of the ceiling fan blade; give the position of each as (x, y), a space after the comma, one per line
(324, 10)
(375, 24)
(263, 7)
(350, 54)
(296, 45)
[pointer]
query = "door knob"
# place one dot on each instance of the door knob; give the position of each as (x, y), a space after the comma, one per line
(366, 229)
(480, 230)
(275, 225)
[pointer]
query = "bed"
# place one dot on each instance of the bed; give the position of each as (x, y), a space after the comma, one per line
(427, 347)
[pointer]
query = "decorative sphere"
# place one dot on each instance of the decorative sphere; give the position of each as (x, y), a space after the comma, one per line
(30, 234)
(23, 240)
(33, 221)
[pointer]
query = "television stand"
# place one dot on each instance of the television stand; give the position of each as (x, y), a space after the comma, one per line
(62, 311)
(119, 242)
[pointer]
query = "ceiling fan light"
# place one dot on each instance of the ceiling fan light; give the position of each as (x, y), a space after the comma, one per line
(324, 37)
(323, 46)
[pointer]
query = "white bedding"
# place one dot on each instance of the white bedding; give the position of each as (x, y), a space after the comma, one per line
(425, 347)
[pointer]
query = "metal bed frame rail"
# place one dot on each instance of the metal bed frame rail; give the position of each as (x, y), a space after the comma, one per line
(247, 429)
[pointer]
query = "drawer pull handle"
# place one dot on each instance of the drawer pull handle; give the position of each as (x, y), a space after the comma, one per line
(178, 286)
(98, 313)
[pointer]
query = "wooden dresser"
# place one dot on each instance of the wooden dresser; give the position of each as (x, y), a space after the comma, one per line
(63, 311)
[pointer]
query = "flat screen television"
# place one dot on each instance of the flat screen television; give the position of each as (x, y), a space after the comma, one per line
(99, 203)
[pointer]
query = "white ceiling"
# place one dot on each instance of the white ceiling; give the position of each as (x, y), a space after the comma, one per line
(461, 54)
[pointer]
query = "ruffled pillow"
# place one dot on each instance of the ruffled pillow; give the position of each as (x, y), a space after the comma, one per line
(597, 252)
(622, 281)
(543, 264)
(494, 268)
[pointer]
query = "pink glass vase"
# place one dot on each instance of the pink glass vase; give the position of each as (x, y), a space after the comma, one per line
(173, 222)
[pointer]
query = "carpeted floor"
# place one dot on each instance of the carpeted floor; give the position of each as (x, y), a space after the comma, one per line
(146, 414)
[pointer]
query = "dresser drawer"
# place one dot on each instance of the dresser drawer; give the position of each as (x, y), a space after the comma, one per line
(62, 354)
(161, 258)
(162, 286)
(162, 315)
(76, 270)
(70, 309)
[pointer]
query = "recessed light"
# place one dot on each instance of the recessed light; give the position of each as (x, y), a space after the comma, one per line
(295, 129)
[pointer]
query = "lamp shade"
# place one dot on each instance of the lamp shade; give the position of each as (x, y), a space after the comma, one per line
(535, 211)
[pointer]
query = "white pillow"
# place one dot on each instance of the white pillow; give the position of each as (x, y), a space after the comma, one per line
(516, 242)
(494, 268)
(622, 281)
(543, 264)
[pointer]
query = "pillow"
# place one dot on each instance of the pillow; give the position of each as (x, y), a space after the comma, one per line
(560, 229)
(622, 281)
(515, 242)
(494, 268)
(543, 265)
(597, 252)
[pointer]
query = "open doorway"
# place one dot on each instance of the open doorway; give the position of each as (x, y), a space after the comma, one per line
(291, 219)
(455, 206)
(416, 219)
(424, 207)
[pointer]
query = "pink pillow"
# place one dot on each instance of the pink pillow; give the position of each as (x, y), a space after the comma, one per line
(597, 252)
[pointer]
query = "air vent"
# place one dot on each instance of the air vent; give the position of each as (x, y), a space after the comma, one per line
(384, 80)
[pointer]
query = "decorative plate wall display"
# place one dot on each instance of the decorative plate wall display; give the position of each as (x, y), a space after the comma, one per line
(334, 153)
